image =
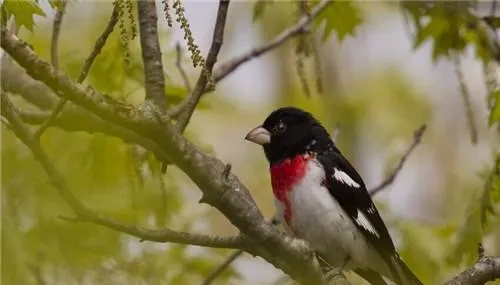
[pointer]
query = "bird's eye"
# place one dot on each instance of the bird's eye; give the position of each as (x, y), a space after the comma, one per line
(280, 127)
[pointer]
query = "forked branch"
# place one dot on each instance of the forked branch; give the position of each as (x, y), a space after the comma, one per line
(85, 214)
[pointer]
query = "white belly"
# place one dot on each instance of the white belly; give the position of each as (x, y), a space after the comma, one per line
(319, 219)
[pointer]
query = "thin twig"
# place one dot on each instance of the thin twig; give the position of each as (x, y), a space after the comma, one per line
(465, 97)
(178, 63)
(217, 40)
(480, 251)
(293, 257)
(60, 105)
(85, 214)
(303, 51)
(228, 67)
(101, 41)
(151, 55)
(230, 259)
(5, 122)
(56, 28)
(217, 271)
(99, 44)
(417, 137)
(295, 30)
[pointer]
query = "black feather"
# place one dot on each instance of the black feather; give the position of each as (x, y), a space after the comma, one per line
(295, 132)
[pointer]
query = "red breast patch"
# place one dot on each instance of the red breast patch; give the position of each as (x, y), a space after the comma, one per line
(284, 176)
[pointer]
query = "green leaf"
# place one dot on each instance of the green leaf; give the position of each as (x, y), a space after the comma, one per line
(22, 11)
(258, 8)
(447, 28)
(495, 111)
(342, 16)
(56, 4)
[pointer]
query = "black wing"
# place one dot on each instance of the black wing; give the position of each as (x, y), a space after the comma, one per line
(348, 188)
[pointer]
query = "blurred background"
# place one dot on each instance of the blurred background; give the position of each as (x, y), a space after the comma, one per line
(377, 89)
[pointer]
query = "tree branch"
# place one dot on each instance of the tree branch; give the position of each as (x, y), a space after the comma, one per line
(417, 137)
(182, 72)
(214, 274)
(73, 118)
(465, 97)
(151, 55)
(101, 41)
(99, 44)
(206, 73)
(486, 269)
(56, 28)
(15, 80)
(85, 214)
(295, 30)
(228, 195)
(228, 67)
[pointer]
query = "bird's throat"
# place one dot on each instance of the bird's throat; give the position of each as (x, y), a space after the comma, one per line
(284, 176)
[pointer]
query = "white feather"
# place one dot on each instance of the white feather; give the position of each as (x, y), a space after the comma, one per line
(343, 177)
(319, 219)
(365, 223)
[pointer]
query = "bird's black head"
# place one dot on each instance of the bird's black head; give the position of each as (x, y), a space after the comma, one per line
(290, 131)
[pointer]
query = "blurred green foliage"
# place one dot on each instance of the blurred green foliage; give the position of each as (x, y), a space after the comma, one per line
(39, 246)
(21, 11)
(116, 179)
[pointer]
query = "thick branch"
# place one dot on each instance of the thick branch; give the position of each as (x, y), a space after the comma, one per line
(73, 118)
(85, 214)
(228, 195)
(486, 269)
(151, 54)
(15, 80)
(206, 73)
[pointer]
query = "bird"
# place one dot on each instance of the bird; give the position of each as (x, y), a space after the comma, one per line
(320, 198)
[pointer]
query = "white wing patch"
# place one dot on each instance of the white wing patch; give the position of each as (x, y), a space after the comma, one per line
(362, 221)
(343, 177)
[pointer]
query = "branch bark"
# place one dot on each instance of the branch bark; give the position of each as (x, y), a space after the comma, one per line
(151, 54)
(206, 73)
(228, 67)
(85, 214)
(486, 269)
(227, 194)
(101, 41)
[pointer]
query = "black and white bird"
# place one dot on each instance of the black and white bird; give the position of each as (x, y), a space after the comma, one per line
(321, 198)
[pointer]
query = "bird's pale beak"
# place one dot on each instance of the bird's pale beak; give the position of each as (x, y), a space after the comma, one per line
(259, 135)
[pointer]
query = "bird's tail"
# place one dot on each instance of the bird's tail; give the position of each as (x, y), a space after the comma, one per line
(405, 275)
